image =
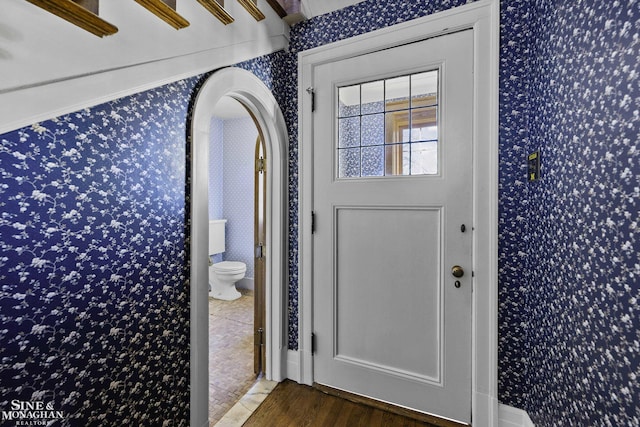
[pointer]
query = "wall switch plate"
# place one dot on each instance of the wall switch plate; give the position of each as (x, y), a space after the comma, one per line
(533, 172)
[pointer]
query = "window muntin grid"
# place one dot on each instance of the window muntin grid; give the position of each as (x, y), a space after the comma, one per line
(389, 127)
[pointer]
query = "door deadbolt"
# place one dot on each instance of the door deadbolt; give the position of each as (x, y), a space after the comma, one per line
(457, 271)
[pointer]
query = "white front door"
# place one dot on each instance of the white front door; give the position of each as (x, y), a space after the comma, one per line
(392, 197)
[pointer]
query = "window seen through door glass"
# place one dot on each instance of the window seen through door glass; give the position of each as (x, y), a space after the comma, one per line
(389, 127)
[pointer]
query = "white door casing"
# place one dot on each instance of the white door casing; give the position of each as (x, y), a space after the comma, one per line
(388, 321)
(482, 18)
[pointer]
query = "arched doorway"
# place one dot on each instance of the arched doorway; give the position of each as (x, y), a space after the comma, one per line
(246, 88)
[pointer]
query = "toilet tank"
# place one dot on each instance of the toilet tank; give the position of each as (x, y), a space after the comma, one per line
(216, 236)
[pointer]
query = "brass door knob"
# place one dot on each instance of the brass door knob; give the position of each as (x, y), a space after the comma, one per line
(457, 271)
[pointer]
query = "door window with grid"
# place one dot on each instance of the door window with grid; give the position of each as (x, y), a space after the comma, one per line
(389, 127)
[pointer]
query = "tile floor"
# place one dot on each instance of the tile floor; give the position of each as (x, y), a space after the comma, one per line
(230, 353)
(249, 403)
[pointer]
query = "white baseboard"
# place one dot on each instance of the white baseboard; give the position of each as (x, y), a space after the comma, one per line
(513, 417)
(293, 366)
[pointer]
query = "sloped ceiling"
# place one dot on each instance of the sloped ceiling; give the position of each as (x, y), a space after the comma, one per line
(313, 8)
(50, 67)
(38, 47)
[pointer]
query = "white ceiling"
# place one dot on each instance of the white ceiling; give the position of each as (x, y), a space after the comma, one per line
(41, 51)
(37, 47)
(312, 8)
(49, 67)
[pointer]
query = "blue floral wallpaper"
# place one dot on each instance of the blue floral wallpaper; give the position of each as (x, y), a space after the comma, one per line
(94, 303)
(362, 18)
(514, 271)
(94, 298)
(582, 239)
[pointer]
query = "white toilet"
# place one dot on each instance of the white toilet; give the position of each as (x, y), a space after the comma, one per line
(223, 275)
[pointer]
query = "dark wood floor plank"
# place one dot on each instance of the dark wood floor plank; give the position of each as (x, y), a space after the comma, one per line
(359, 416)
(328, 411)
(296, 405)
(375, 420)
(425, 418)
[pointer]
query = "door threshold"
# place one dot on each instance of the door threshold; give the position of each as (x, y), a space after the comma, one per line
(248, 403)
(388, 407)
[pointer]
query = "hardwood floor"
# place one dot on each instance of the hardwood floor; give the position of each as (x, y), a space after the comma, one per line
(297, 405)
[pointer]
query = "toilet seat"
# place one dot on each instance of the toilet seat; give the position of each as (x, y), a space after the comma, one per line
(229, 267)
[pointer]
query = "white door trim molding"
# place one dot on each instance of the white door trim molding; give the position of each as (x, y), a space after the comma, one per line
(483, 18)
(256, 97)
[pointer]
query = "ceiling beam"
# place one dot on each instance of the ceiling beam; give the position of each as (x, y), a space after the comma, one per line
(252, 8)
(217, 10)
(289, 10)
(278, 6)
(165, 10)
(285, 7)
(76, 14)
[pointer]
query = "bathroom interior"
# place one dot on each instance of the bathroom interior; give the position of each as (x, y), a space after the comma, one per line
(233, 189)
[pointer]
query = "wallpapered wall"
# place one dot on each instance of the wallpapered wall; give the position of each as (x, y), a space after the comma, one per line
(514, 273)
(231, 180)
(94, 311)
(584, 243)
(94, 304)
(216, 173)
(239, 151)
(216, 168)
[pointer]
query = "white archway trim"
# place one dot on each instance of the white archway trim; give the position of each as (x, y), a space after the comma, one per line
(256, 97)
